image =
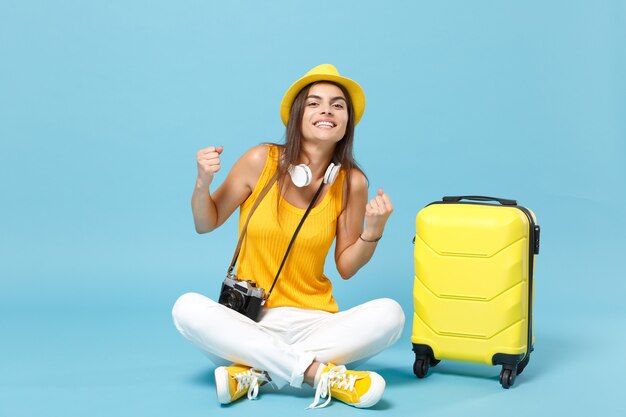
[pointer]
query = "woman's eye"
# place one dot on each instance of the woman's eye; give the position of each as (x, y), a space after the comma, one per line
(338, 106)
(312, 104)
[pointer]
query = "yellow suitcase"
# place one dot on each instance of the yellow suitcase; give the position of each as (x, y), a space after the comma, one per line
(474, 261)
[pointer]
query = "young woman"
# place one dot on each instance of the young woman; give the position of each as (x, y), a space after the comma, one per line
(300, 336)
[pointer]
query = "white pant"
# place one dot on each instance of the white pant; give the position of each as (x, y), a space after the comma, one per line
(286, 340)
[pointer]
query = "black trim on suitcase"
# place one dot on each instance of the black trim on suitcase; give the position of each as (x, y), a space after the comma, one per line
(512, 365)
(533, 250)
(456, 199)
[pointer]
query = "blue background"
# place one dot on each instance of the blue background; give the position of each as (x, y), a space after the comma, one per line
(103, 105)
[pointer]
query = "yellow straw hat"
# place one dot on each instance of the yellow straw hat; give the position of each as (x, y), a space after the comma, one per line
(324, 72)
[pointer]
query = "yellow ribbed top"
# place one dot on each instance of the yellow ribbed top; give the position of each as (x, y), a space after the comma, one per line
(302, 282)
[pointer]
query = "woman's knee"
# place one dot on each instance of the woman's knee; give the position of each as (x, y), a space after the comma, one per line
(186, 308)
(392, 310)
(389, 314)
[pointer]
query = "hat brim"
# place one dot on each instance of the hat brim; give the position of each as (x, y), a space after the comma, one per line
(357, 96)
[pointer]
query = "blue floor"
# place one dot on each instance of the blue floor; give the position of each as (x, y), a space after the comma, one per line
(87, 330)
(132, 364)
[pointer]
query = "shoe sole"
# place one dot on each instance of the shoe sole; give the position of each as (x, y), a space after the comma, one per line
(374, 394)
(221, 385)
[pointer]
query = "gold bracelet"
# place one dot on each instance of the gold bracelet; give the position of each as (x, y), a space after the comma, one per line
(370, 241)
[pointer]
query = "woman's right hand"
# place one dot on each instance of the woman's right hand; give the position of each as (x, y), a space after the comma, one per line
(208, 164)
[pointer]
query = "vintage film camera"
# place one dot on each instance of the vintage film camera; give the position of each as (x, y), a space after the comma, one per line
(242, 296)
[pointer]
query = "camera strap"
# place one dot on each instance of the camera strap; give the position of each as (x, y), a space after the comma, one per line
(260, 197)
(293, 238)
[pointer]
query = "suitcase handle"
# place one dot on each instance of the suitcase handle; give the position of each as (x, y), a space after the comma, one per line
(456, 199)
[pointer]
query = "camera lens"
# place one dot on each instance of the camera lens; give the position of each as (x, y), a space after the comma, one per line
(234, 300)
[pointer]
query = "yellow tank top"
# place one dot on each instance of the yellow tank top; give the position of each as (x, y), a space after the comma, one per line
(302, 282)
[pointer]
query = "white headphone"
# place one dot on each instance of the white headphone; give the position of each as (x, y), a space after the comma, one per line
(301, 174)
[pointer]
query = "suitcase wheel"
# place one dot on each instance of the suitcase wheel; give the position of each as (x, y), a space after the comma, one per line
(420, 367)
(424, 360)
(507, 377)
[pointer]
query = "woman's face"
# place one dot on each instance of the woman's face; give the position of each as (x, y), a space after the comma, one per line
(325, 115)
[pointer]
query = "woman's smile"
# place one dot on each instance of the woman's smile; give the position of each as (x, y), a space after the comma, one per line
(325, 124)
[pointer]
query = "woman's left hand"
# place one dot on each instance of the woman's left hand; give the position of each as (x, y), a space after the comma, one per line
(377, 211)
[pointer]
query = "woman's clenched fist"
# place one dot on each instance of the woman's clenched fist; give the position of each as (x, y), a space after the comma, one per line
(377, 211)
(208, 164)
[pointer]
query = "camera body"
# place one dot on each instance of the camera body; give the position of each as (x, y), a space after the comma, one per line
(242, 296)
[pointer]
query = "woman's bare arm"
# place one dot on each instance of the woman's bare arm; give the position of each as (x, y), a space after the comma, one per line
(210, 210)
